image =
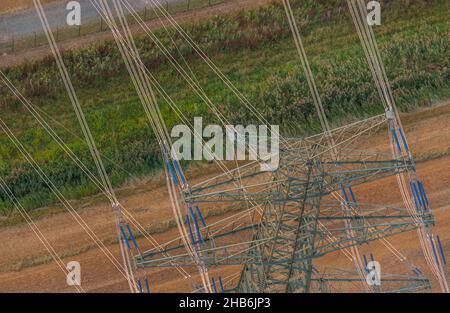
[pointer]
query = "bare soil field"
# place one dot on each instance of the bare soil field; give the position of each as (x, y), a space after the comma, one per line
(24, 265)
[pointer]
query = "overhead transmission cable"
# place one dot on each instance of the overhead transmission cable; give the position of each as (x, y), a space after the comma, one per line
(38, 233)
(365, 32)
(35, 113)
(91, 144)
(27, 156)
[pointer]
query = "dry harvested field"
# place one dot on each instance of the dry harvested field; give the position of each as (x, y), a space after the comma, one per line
(24, 265)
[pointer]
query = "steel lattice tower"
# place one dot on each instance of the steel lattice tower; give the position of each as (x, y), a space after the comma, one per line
(308, 210)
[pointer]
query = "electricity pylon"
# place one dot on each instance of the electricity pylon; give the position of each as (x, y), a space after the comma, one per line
(302, 211)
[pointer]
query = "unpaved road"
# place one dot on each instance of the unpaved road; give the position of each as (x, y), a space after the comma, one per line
(428, 132)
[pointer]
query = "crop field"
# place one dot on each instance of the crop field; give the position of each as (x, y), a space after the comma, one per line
(254, 49)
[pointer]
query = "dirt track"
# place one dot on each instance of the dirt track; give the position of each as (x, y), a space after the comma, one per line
(429, 134)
